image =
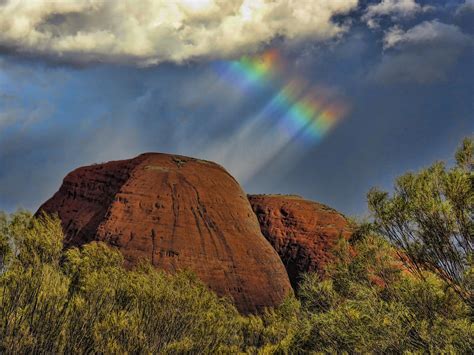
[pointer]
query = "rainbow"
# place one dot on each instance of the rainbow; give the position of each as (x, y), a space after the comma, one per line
(250, 73)
(301, 111)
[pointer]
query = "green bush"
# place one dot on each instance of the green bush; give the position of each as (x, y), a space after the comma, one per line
(371, 303)
(84, 301)
(430, 217)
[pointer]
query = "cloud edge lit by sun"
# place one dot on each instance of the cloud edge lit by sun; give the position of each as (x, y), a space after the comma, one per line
(151, 32)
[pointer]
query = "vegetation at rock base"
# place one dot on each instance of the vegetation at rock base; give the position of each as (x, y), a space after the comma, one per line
(401, 285)
(84, 301)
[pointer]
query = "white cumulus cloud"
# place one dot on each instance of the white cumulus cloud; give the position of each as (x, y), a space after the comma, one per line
(467, 6)
(423, 54)
(394, 9)
(428, 32)
(152, 31)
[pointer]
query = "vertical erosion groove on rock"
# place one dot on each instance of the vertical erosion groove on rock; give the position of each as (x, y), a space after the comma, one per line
(178, 213)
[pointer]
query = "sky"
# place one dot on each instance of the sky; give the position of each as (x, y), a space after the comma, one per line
(320, 98)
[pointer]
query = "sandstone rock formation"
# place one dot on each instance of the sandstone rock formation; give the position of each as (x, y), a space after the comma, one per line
(178, 213)
(301, 231)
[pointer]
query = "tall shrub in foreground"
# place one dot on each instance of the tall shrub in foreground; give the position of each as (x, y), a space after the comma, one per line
(430, 218)
(371, 303)
(84, 301)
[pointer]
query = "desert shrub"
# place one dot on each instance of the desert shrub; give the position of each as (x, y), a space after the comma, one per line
(276, 331)
(84, 301)
(371, 303)
(147, 311)
(33, 291)
(429, 218)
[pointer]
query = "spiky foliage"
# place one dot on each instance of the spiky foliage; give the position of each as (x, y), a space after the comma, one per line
(430, 218)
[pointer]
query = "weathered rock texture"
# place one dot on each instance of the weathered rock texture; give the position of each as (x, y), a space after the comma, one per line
(303, 232)
(179, 213)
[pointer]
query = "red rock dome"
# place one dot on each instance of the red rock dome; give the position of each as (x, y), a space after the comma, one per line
(178, 213)
(301, 231)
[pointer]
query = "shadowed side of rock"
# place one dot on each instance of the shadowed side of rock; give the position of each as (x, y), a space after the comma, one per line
(303, 232)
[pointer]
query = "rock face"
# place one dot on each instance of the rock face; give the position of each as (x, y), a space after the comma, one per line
(303, 232)
(178, 213)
